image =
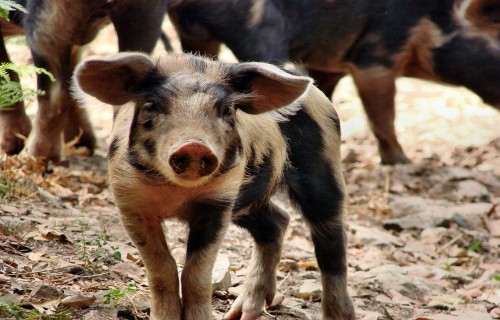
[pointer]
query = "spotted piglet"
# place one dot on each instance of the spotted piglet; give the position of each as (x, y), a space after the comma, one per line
(209, 143)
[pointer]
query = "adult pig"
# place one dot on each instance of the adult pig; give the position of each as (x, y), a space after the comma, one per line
(450, 41)
(55, 32)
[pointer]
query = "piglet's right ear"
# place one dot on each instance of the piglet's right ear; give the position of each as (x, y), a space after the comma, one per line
(114, 80)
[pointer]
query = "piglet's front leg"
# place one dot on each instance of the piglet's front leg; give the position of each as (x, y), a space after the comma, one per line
(267, 225)
(208, 223)
(149, 238)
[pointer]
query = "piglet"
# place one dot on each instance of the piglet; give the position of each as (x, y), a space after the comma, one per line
(209, 143)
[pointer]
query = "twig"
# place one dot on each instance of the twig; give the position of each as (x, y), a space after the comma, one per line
(94, 275)
(386, 313)
(268, 314)
(284, 279)
(139, 313)
(294, 312)
(449, 243)
(33, 224)
(387, 185)
(40, 271)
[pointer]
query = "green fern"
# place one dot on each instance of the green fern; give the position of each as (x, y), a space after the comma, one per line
(21, 70)
(11, 91)
(9, 5)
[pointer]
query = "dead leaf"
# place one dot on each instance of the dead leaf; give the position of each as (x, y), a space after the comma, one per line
(493, 227)
(79, 301)
(35, 256)
(309, 265)
(128, 269)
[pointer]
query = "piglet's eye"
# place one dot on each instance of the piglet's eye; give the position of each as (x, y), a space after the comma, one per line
(152, 107)
(227, 111)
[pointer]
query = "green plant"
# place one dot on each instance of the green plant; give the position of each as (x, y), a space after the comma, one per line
(115, 295)
(475, 246)
(11, 91)
(8, 186)
(94, 250)
(9, 5)
(5, 185)
(116, 253)
(20, 312)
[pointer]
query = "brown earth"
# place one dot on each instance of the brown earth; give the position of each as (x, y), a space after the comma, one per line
(423, 238)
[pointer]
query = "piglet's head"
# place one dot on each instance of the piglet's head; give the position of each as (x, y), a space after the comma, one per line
(185, 126)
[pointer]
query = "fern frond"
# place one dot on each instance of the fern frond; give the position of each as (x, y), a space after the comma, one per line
(22, 70)
(9, 5)
(11, 93)
(3, 72)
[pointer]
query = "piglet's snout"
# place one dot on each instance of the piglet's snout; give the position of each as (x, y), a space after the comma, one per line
(192, 160)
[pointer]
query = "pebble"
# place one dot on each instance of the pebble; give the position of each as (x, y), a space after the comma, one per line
(309, 289)
(45, 292)
(221, 276)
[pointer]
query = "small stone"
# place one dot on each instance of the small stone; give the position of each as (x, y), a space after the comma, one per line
(446, 299)
(457, 174)
(469, 216)
(472, 190)
(101, 313)
(393, 277)
(11, 298)
(406, 205)
(433, 235)
(373, 236)
(286, 265)
(309, 289)
(45, 292)
(383, 298)
(221, 277)
(493, 227)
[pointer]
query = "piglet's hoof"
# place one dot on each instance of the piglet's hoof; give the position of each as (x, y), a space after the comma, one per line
(13, 130)
(49, 150)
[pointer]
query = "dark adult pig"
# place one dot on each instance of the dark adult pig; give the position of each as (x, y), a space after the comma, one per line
(209, 142)
(450, 41)
(55, 31)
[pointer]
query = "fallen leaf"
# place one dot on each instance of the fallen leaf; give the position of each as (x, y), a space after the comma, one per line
(79, 301)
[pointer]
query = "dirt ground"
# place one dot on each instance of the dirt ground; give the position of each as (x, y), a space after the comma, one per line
(423, 238)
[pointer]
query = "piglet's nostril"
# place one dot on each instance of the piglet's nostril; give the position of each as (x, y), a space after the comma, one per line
(207, 164)
(179, 162)
(193, 160)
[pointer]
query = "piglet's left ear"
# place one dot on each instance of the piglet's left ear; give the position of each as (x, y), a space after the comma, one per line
(271, 87)
(114, 80)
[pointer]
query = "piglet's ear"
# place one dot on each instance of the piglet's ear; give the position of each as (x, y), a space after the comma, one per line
(484, 14)
(114, 80)
(270, 86)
